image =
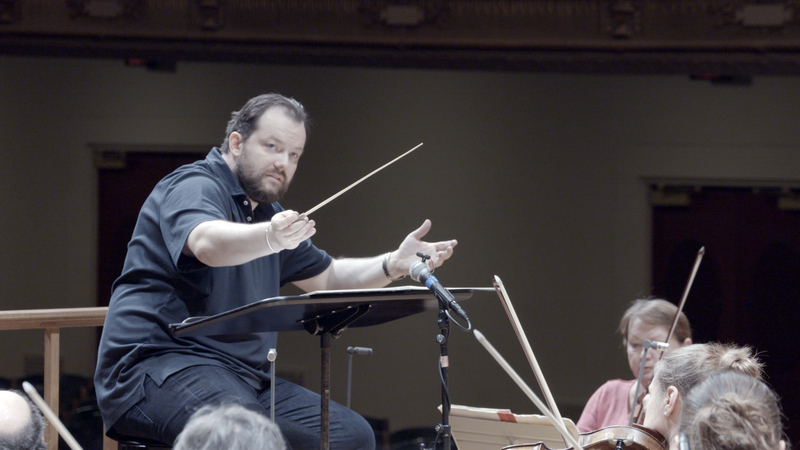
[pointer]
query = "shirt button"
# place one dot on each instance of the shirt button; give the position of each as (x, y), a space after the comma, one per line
(245, 203)
(249, 219)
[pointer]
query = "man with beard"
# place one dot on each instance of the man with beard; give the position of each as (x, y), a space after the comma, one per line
(211, 237)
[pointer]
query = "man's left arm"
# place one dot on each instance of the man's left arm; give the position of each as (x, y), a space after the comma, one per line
(366, 273)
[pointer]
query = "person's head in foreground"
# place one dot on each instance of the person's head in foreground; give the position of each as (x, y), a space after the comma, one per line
(229, 427)
(732, 411)
(21, 423)
(680, 370)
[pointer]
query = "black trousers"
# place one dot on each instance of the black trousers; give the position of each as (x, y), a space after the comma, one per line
(164, 411)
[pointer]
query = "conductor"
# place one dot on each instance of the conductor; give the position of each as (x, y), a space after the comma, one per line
(212, 237)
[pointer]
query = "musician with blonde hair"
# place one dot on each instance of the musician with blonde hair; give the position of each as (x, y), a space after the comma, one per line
(732, 411)
(679, 371)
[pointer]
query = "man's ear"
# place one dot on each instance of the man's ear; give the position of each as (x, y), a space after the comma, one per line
(235, 143)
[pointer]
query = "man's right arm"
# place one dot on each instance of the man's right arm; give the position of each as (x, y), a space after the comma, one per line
(218, 243)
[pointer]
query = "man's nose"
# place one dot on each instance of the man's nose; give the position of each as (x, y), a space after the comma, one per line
(282, 160)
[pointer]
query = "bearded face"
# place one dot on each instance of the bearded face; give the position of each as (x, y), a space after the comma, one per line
(266, 161)
(262, 185)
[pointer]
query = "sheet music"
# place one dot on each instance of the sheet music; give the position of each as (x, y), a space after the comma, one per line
(491, 429)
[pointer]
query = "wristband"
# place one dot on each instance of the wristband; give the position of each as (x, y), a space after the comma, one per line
(267, 237)
(385, 266)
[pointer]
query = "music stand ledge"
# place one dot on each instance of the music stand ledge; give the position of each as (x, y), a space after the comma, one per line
(320, 313)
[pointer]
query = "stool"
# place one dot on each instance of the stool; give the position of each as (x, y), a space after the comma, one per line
(141, 444)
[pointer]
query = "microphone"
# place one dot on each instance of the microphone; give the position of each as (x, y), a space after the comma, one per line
(655, 345)
(359, 351)
(419, 271)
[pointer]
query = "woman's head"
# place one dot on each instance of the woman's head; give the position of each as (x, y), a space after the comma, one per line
(732, 411)
(651, 320)
(678, 371)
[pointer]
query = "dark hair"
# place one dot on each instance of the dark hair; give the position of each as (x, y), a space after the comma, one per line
(245, 120)
(232, 427)
(687, 366)
(31, 437)
(732, 411)
(656, 312)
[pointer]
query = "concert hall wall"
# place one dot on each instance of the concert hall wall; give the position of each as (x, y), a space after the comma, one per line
(543, 179)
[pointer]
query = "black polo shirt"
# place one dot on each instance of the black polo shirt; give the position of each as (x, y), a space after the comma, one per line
(159, 285)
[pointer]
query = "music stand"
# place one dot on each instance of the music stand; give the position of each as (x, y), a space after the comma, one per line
(322, 313)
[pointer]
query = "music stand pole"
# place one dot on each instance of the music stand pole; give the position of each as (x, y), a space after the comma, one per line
(444, 334)
(325, 407)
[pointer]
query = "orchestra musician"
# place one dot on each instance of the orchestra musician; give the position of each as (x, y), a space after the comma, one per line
(679, 371)
(212, 237)
(644, 320)
(22, 424)
(731, 411)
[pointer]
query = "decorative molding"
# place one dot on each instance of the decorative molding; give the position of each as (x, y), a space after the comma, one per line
(8, 11)
(210, 14)
(526, 34)
(106, 9)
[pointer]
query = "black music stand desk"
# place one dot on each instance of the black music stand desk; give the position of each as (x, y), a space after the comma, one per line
(322, 313)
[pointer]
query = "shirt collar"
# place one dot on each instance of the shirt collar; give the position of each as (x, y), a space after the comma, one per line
(224, 172)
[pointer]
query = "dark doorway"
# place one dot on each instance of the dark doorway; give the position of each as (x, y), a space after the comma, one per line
(124, 182)
(747, 290)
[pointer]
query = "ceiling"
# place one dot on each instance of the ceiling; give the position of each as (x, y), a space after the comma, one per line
(725, 41)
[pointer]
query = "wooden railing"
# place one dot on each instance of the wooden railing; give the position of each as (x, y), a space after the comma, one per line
(52, 321)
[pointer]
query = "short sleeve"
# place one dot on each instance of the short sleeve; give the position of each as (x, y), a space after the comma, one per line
(189, 200)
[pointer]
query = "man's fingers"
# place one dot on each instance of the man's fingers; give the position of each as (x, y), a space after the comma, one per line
(294, 233)
(420, 232)
(443, 255)
(284, 219)
(444, 245)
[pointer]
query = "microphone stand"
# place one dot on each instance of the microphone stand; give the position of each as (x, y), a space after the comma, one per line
(646, 345)
(443, 429)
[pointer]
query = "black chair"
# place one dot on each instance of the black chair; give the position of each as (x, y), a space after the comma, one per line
(135, 443)
(140, 444)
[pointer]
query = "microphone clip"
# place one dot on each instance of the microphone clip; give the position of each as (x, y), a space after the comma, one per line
(425, 258)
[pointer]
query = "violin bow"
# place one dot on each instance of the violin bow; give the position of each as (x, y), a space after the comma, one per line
(558, 423)
(526, 346)
(51, 416)
(697, 261)
(686, 290)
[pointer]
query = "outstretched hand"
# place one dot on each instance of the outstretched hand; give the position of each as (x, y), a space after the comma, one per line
(287, 230)
(406, 255)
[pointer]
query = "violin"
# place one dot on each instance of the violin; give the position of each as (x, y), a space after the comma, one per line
(621, 437)
(615, 437)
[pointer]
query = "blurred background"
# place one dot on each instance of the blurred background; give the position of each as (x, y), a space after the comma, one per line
(582, 151)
